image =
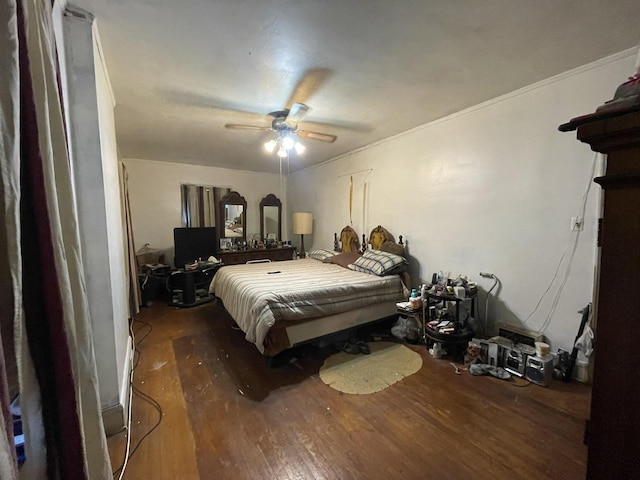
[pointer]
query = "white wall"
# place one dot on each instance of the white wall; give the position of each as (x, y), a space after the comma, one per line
(154, 194)
(94, 163)
(113, 219)
(491, 189)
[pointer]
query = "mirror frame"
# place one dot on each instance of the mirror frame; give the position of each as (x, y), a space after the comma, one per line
(233, 198)
(271, 201)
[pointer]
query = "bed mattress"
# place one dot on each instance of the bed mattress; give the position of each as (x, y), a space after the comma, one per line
(259, 295)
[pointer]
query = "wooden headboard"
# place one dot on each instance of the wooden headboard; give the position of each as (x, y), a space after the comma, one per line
(379, 239)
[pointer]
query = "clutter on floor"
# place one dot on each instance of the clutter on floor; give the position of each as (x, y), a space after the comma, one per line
(438, 316)
(353, 346)
(484, 369)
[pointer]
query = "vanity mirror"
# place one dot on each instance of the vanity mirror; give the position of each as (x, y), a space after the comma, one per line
(271, 218)
(233, 213)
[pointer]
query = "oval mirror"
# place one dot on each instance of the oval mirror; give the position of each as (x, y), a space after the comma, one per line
(271, 218)
(233, 210)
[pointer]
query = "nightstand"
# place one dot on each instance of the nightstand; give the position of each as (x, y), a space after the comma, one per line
(417, 314)
(455, 336)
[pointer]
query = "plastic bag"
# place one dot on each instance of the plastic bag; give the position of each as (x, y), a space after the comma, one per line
(403, 325)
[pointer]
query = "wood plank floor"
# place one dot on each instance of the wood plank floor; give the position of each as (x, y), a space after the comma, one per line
(227, 415)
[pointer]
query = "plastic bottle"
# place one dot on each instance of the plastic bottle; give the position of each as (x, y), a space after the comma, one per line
(414, 299)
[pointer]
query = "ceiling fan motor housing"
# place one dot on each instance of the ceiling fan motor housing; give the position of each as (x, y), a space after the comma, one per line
(285, 122)
(279, 121)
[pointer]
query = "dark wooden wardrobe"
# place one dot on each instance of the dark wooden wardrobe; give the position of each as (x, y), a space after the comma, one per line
(614, 433)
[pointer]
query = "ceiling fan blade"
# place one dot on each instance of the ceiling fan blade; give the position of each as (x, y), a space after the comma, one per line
(296, 114)
(323, 137)
(309, 84)
(237, 126)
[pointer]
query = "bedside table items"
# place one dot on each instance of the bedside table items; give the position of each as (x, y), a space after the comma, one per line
(414, 300)
(250, 247)
(460, 292)
(275, 254)
(201, 264)
(434, 315)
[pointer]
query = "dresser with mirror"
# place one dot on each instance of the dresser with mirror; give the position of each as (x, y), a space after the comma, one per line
(235, 248)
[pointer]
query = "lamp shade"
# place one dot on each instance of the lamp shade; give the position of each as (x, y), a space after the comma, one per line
(302, 223)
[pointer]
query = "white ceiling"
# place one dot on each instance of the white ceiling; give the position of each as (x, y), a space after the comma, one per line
(368, 68)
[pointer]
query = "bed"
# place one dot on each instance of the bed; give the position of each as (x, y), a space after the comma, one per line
(282, 304)
(233, 229)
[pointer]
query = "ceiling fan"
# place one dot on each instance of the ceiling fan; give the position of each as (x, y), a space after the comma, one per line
(285, 123)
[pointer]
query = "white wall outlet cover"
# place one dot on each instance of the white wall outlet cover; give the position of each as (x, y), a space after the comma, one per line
(577, 224)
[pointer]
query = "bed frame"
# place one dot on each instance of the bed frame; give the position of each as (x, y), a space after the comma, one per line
(306, 331)
(321, 327)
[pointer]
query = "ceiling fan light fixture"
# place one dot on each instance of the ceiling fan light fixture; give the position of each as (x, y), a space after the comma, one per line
(299, 148)
(283, 144)
(270, 146)
(285, 126)
(287, 142)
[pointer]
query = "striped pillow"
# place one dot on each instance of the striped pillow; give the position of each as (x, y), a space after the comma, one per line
(322, 254)
(379, 263)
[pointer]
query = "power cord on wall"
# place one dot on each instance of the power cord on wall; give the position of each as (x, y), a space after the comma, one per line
(147, 398)
(146, 334)
(123, 466)
(573, 246)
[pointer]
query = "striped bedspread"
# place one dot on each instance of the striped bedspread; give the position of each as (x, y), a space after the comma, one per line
(258, 295)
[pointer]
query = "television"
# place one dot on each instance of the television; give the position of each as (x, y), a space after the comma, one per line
(191, 244)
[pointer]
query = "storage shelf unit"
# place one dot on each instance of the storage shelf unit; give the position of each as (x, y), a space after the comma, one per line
(191, 287)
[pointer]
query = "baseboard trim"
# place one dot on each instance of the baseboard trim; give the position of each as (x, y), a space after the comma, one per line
(114, 417)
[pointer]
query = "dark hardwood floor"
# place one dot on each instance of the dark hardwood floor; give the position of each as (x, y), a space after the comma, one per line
(228, 415)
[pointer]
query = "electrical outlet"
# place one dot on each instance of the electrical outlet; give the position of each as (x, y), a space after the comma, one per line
(577, 224)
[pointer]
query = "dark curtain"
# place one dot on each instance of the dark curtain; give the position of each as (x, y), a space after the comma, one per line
(42, 301)
(132, 265)
(201, 204)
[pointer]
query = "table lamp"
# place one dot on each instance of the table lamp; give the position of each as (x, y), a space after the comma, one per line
(302, 225)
